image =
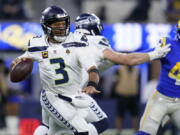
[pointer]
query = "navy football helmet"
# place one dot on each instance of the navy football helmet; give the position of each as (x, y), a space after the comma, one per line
(90, 22)
(52, 15)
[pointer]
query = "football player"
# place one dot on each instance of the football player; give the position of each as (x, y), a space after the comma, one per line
(90, 25)
(61, 56)
(166, 99)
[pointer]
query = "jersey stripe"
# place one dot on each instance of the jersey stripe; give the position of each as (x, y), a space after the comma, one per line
(35, 49)
(103, 43)
(74, 44)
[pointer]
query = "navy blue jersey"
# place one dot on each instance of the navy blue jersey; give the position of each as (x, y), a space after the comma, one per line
(169, 81)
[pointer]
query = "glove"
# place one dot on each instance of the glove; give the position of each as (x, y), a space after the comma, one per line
(159, 52)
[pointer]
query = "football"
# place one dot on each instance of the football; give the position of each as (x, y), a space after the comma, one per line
(21, 70)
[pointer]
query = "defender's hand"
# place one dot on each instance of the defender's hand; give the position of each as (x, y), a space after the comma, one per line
(160, 52)
(90, 90)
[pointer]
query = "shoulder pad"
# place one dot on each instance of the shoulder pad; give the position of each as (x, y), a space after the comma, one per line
(104, 41)
(37, 44)
(98, 40)
(80, 37)
(75, 40)
(37, 41)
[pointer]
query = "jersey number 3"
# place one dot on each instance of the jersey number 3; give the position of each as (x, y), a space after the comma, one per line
(175, 73)
(60, 70)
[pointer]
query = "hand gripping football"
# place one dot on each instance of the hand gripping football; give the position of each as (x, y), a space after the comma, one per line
(21, 70)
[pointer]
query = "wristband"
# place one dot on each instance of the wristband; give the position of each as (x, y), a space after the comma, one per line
(91, 83)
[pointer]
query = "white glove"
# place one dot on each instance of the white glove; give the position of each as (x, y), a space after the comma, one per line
(159, 52)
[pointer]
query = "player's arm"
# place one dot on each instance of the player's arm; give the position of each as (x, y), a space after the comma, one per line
(87, 62)
(28, 54)
(135, 58)
(124, 58)
(93, 81)
(93, 75)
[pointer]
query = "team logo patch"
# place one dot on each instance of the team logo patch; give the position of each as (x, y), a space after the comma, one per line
(45, 54)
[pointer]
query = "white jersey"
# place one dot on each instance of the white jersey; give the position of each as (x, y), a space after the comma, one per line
(61, 65)
(98, 45)
(101, 43)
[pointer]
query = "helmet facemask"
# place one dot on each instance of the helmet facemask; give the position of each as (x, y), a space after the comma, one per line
(58, 29)
(55, 23)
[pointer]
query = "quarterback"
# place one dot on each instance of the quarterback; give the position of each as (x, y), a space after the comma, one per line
(61, 56)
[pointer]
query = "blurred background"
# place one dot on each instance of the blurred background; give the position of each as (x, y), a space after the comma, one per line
(129, 25)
